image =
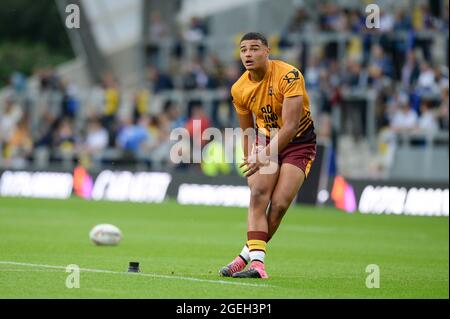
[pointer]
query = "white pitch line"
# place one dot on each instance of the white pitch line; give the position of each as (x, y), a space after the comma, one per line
(28, 270)
(136, 274)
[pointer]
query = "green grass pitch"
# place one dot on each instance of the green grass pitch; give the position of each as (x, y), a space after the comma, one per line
(317, 253)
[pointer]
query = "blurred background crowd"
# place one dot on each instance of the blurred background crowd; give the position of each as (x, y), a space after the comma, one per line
(373, 90)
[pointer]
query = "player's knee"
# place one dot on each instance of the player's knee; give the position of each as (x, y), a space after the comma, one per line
(259, 193)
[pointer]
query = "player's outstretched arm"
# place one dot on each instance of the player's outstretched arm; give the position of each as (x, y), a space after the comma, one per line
(291, 115)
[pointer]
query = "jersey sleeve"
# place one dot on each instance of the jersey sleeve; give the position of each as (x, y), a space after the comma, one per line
(237, 102)
(292, 83)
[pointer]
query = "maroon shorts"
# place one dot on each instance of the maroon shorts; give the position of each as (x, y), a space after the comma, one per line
(301, 155)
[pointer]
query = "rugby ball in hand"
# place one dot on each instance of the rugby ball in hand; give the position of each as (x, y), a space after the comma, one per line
(105, 235)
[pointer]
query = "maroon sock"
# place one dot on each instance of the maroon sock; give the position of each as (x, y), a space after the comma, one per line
(259, 235)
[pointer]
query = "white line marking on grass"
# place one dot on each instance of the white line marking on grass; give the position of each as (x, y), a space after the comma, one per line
(137, 274)
(28, 270)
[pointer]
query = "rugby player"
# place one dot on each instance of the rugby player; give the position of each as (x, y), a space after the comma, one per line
(271, 98)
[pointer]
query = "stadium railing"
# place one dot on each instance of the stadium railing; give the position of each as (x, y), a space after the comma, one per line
(421, 156)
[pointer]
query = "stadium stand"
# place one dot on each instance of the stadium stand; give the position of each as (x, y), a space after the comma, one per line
(384, 104)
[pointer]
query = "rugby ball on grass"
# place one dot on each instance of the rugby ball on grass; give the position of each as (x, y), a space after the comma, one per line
(105, 235)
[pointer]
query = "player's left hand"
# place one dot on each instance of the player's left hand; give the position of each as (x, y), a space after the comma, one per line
(254, 162)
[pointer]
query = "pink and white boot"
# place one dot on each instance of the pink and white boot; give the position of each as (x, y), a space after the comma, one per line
(256, 270)
(238, 264)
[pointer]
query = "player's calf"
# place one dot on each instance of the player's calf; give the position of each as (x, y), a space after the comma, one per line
(277, 210)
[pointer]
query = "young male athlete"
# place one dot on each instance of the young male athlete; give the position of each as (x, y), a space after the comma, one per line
(272, 94)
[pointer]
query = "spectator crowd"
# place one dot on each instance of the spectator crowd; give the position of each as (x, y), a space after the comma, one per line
(48, 119)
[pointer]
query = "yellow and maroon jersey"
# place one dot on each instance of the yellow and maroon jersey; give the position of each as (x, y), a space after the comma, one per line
(265, 99)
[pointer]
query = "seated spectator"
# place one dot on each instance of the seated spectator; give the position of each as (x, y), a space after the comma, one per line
(140, 104)
(19, 146)
(195, 34)
(427, 122)
(154, 126)
(64, 140)
(198, 123)
(356, 76)
(111, 100)
(295, 26)
(312, 74)
(172, 112)
(131, 136)
(376, 78)
(159, 81)
(195, 76)
(96, 139)
(157, 150)
(426, 80)
(440, 77)
(69, 103)
(48, 80)
(387, 21)
(18, 82)
(330, 17)
(10, 116)
(231, 74)
(404, 118)
(402, 21)
(410, 71)
(357, 21)
(46, 130)
(381, 61)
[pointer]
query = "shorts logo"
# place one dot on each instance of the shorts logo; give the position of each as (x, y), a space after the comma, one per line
(292, 76)
(270, 91)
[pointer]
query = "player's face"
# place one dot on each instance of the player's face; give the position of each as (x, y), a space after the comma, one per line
(254, 54)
